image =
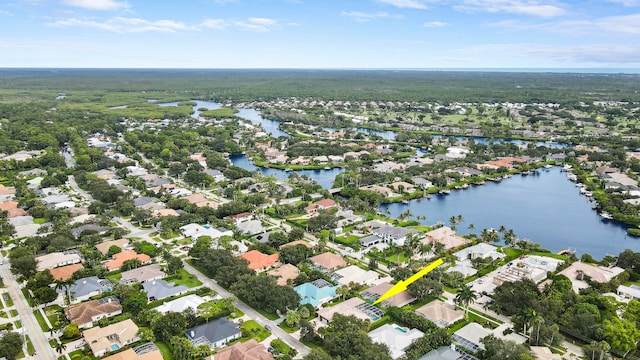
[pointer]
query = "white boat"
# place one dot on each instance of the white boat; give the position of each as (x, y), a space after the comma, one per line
(548, 166)
(606, 215)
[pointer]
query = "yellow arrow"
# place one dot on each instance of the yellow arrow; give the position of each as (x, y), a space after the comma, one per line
(401, 285)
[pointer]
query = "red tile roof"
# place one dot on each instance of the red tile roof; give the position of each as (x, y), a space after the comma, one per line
(258, 260)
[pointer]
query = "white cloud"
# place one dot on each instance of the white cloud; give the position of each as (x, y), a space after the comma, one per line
(408, 4)
(364, 17)
(126, 25)
(251, 24)
(435, 24)
(98, 4)
(5, 13)
(626, 2)
(519, 7)
(625, 24)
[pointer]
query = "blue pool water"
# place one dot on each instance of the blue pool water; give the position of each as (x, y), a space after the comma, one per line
(115, 347)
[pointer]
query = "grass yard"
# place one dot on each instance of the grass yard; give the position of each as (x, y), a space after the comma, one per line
(39, 221)
(26, 296)
(167, 354)
(182, 277)
(7, 300)
(254, 330)
(13, 312)
(41, 321)
(30, 349)
(80, 354)
(184, 241)
(115, 277)
(3, 314)
(18, 324)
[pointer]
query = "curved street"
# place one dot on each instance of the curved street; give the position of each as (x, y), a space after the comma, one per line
(301, 348)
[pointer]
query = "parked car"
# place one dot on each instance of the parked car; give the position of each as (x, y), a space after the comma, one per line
(267, 327)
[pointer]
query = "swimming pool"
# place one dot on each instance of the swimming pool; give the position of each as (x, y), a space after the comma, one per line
(115, 347)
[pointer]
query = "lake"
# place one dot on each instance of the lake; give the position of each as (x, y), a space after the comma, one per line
(199, 104)
(323, 177)
(545, 208)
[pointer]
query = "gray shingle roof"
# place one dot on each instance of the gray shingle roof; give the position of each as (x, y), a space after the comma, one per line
(212, 332)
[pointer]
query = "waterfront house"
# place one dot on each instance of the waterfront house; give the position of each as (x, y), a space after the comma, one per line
(112, 337)
(394, 235)
(214, 334)
(352, 307)
(87, 313)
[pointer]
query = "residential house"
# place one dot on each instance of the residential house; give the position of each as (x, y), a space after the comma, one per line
(446, 236)
(248, 350)
(119, 259)
(92, 228)
(85, 288)
(217, 175)
(327, 261)
(629, 292)
(259, 261)
(355, 274)
(352, 307)
(160, 289)
(55, 259)
(111, 338)
(373, 293)
(403, 186)
(87, 313)
(142, 274)
(324, 204)
(285, 273)
(200, 200)
(148, 351)
(65, 272)
(250, 227)
(447, 353)
(316, 293)
(194, 231)
(104, 246)
(297, 242)
(440, 313)
(214, 334)
(578, 272)
(396, 338)
(181, 304)
(394, 235)
(481, 250)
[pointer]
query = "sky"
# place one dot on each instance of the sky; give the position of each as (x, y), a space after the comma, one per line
(345, 34)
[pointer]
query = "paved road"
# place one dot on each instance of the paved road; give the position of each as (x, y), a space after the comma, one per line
(250, 312)
(29, 323)
(74, 185)
(134, 231)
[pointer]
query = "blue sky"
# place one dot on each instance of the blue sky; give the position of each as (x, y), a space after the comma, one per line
(320, 33)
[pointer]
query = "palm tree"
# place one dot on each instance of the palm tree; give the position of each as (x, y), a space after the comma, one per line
(60, 347)
(464, 296)
(342, 291)
(293, 318)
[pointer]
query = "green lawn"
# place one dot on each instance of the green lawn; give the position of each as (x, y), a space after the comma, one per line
(39, 221)
(7, 299)
(3, 314)
(182, 277)
(26, 296)
(13, 312)
(255, 331)
(280, 346)
(167, 354)
(40, 318)
(18, 324)
(30, 349)
(184, 241)
(114, 278)
(80, 354)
